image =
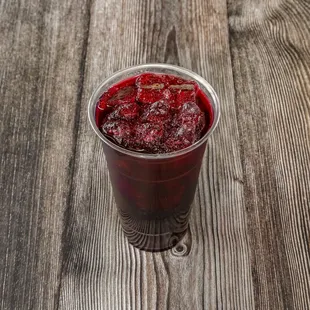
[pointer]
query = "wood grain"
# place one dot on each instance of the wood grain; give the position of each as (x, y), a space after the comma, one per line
(248, 246)
(211, 268)
(41, 63)
(270, 45)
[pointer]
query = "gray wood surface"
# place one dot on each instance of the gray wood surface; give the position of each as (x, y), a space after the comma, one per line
(61, 243)
(42, 50)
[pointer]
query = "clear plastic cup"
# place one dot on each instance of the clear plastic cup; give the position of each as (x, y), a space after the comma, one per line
(154, 192)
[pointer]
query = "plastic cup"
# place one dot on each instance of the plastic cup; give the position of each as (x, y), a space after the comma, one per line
(154, 192)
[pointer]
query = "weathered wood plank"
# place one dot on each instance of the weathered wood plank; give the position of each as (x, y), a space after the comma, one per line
(211, 268)
(246, 248)
(270, 44)
(41, 71)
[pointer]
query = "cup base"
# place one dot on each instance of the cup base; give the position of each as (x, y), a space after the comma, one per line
(154, 243)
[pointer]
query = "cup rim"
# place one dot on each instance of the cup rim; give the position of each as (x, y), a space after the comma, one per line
(212, 96)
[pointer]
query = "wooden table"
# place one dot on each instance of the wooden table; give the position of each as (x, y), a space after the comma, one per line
(248, 246)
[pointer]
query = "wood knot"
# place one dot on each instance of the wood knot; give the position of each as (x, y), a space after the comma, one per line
(180, 250)
(183, 247)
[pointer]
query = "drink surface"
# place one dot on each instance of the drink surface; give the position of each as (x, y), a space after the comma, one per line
(154, 113)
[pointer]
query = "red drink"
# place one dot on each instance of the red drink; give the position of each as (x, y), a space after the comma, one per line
(154, 127)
